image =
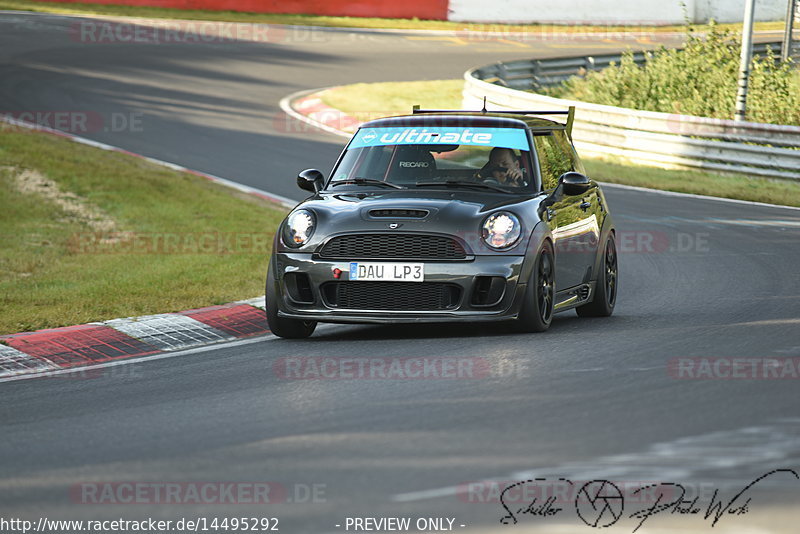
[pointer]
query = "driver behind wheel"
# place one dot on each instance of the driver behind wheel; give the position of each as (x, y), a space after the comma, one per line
(503, 168)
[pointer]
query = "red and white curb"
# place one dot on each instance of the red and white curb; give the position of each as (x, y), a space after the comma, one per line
(56, 349)
(53, 350)
(308, 107)
(334, 120)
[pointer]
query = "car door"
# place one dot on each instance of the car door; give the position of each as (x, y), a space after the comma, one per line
(590, 217)
(572, 218)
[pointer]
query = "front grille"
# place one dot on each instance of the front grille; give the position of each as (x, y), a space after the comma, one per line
(393, 246)
(394, 296)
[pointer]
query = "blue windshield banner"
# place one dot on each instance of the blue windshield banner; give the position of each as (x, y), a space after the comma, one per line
(489, 137)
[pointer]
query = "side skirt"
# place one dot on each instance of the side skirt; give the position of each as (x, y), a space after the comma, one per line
(573, 297)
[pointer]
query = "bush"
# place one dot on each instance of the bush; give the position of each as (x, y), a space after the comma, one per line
(698, 80)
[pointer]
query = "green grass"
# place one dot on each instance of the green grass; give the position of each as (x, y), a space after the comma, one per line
(370, 100)
(698, 80)
(50, 278)
(393, 98)
(734, 186)
(316, 20)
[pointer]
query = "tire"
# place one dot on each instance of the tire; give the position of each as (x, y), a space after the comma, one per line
(283, 326)
(537, 307)
(605, 295)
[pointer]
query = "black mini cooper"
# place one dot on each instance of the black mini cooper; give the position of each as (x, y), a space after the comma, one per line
(446, 216)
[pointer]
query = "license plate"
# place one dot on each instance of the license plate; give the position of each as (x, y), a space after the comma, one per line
(388, 272)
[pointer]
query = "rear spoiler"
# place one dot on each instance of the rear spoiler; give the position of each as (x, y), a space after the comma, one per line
(570, 113)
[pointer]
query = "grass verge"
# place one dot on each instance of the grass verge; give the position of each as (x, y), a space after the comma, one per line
(379, 99)
(340, 22)
(392, 98)
(734, 186)
(90, 235)
(699, 80)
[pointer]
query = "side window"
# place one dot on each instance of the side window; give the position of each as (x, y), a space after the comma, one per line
(567, 148)
(554, 160)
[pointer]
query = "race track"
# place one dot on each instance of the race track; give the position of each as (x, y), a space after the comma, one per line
(590, 399)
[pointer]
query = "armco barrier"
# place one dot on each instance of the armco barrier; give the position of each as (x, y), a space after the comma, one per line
(663, 139)
(533, 74)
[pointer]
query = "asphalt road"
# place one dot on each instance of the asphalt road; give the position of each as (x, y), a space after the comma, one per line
(590, 399)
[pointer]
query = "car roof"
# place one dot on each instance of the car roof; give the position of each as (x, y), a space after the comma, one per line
(467, 118)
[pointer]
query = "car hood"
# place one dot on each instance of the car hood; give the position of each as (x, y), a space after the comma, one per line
(454, 212)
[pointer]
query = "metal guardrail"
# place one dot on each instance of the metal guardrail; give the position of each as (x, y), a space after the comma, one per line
(533, 74)
(663, 139)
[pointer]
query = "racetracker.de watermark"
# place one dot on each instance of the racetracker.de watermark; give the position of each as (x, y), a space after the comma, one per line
(331, 118)
(734, 368)
(76, 122)
(640, 242)
(571, 30)
(159, 32)
(129, 370)
(400, 368)
(170, 243)
(204, 493)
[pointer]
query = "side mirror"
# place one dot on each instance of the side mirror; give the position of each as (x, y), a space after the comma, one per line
(310, 180)
(574, 183)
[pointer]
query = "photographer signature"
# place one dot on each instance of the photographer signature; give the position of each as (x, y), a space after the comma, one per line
(600, 503)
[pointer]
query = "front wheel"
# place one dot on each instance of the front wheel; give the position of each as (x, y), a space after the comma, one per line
(283, 326)
(537, 308)
(605, 295)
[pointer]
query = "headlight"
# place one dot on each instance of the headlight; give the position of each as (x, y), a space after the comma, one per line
(298, 228)
(501, 230)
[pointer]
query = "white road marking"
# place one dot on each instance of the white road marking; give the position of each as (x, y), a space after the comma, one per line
(755, 222)
(769, 322)
(701, 197)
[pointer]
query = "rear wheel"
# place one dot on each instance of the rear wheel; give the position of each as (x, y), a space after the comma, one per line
(605, 295)
(537, 308)
(283, 326)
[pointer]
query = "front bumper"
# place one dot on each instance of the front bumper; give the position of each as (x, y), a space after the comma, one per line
(463, 277)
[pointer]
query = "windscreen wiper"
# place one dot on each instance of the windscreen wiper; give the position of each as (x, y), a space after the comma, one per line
(463, 183)
(365, 181)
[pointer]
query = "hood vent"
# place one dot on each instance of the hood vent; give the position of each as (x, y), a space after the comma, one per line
(398, 214)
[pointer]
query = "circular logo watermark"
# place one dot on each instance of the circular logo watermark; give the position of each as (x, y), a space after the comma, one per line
(599, 503)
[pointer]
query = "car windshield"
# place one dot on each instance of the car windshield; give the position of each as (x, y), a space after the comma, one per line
(493, 159)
